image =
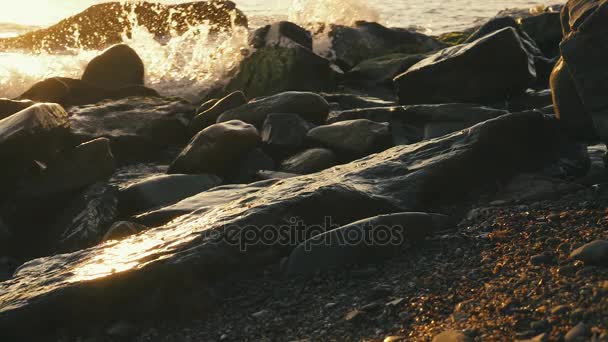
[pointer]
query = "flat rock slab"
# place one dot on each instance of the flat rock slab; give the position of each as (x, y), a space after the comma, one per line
(107, 280)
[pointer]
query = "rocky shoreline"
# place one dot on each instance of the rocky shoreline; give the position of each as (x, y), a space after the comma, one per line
(127, 215)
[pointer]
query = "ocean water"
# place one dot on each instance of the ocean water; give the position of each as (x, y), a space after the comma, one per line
(188, 64)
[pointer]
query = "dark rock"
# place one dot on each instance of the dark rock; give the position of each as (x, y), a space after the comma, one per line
(266, 175)
(381, 70)
(121, 230)
(284, 134)
(533, 188)
(87, 164)
(273, 70)
(205, 106)
(354, 137)
(106, 280)
(7, 268)
(86, 219)
(454, 38)
(581, 332)
(531, 100)
(159, 191)
(546, 30)
(593, 253)
(102, 25)
(137, 127)
(117, 67)
(247, 169)
(541, 259)
(36, 133)
(309, 161)
(281, 34)
(439, 78)
(366, 40)
(352, 101)
(216, 149)
(73, 92)
(10, 107)
(362, 242)
(311, 107)
(452, 336)
(208, 117)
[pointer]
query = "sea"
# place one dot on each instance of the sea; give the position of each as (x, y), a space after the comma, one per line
(187, 65)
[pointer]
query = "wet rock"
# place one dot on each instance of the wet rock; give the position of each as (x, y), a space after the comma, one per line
(282, 34)
(117, 67)
(10, 107)
(121, 230)
(208, 240)
(580, 332)
(531, 100)
(284, 134)
(354, 137)
(102, 25)
(75, 170)
(454, 38)
(138, 128)
(266, 175)
(310, 161)
(36, 133)
(85, 219)
(381, 70)
(72, 92)
(499, 23)
(366, 40)
(352, 101)
(208, 117)
(593, 253)
(438, 78)
(159, 191)
(546, 30)
(273, 70)
(452, 336)
(216, 149)
(247, 169)
(311, 107)
(362, 242)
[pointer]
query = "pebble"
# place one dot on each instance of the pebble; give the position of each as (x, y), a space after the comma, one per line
(395, 339)
(579, 332)
(541, 259)
(593, 253)
(259, 314)
(452, 336)
(560, 309)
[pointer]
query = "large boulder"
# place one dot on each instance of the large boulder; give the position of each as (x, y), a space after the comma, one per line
(546, 30)
(381, 70)
(117, 67)
(72, 92)
(206, 117)
(580, 80)
(285, 134)
(310, 106)
(470, 72)
(137, 127)
(362, 242)
(247, 169)
(273, 70)
(309, 161)
(217, 239)
(103, 25)
(216, 149)
(10, 107)
(161, 191)
(366, 40)
(281, 34)
(354, 137)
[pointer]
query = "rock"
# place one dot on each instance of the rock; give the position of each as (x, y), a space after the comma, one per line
(541, 259)
(122, 329)
(366, 40)
(10, 107)
(160, 191)
(216, 149)
(311, 107)
(117, 67)
(273, 70)
(266, 175)
(102, 25)
(138, 128)
(209, 116)
(439, 77)
(85, 219)
(87, 164)
(579, 79)
(36, 133)
(546, 30)
(452, 336)
(580, 332)
(284, 134)
(281, 34)
(499, 23)
(72, 92)
(362, 242)
(121, 230)
(309, 161)
(454, 38)
(205, 106)
(209, 240)
(533, 188)
(354, 137)
(247, 169)
(593, 253)
(352, 101)
(381, 70)
(531, 100)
